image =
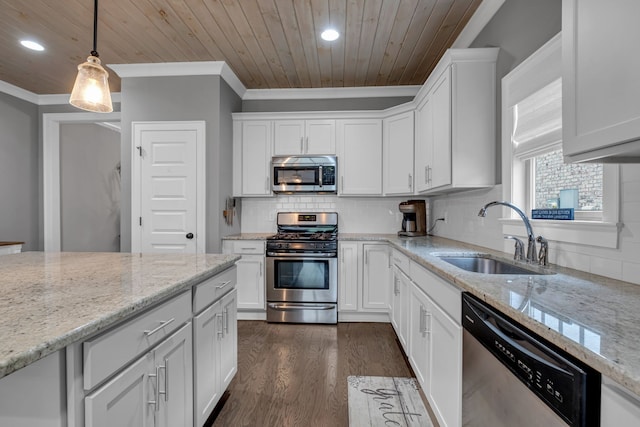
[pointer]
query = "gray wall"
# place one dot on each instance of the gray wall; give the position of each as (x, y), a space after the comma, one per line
(180, 98)
(280, 105)
(519, 28)
(19, 172)
(89, 188)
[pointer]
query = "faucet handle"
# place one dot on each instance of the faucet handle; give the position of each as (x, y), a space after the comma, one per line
(543, 255)
(518, 254)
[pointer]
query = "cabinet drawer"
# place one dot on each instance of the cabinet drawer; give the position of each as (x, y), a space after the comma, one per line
(400, 260)
(248, 247)
(446, 295)
(212, 289)
(108, 352)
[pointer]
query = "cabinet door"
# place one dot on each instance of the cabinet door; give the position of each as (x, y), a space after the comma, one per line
(348, 277)
(360, 156)
(419, 341)
(229, 345)
(441, 125)
(375, 291)
(126, 400)
(207, 336)
(256, 157)
(251, 291)
(398, 154)
(288, 137)
(174, 375)
(423, 144)
(600, 86)
(445, 372)
(398, 306)
(320, 137)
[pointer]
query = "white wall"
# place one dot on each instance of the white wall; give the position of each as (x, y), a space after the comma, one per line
(622, 263)
(89, 188)
(355, 215)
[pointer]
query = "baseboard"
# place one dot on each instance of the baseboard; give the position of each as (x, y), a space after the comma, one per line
(346, 316)
(252, 315)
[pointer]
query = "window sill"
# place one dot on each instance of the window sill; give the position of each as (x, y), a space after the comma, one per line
(593, 233)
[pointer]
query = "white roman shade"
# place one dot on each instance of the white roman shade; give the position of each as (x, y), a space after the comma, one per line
(537, 122)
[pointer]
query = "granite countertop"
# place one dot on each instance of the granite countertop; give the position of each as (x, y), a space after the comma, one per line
(593, 318)
(50, 300)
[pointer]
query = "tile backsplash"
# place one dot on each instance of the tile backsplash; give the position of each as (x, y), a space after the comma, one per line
(355, 215)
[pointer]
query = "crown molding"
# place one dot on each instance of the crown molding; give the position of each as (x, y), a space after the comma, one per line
(478, 21)
(18, 92)
(198, 68)
(331, 92)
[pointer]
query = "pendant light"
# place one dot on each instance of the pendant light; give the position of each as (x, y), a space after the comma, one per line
(91, 89)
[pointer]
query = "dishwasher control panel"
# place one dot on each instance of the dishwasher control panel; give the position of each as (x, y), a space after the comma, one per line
(558, 381)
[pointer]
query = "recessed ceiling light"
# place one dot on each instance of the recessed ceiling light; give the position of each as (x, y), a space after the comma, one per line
(29, 44)
(330, 35)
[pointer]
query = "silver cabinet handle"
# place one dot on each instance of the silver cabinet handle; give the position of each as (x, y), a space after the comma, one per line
(260, 268)
(301, 144)
(422, 326)
(267, 184)
(220, 328)
(306, 150)
(156, 391)
(223, 284)
(427, 322)
(426, 174)
(410, 183)
(342, 183)
(166, 380)
(162, 325)
(225, 320)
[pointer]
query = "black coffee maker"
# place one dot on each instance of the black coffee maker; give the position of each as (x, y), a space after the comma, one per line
(414, 218)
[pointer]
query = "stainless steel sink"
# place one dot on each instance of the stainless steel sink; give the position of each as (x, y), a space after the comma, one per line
(486, 265)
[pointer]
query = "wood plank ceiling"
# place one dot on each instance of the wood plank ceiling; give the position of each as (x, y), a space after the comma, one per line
(267, 43)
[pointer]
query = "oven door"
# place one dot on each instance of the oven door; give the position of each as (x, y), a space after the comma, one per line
(295, 278)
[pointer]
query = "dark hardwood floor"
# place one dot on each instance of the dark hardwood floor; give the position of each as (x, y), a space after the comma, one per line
(296, 375)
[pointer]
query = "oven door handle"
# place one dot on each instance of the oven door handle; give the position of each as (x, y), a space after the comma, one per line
(297, 307)
(302, 255)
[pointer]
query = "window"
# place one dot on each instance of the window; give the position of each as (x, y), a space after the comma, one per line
(537, 141)
(533, 169)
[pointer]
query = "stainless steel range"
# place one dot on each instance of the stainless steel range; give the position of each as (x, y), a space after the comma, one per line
(302, 268)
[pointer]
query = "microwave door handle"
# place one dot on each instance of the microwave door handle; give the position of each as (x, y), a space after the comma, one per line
(320, 172)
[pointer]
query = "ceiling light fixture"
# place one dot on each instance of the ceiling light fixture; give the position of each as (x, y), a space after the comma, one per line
(330, 35)
(30, 44)
(91, 89)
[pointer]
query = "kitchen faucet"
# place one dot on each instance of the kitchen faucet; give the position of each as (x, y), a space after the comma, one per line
(531, 244)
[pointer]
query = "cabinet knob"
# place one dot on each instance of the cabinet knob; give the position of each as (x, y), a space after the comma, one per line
(189, 236)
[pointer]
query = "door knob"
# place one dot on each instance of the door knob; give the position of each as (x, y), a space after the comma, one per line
(189, 236)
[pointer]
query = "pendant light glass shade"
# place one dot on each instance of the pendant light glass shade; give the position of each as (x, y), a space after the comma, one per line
(91, 89)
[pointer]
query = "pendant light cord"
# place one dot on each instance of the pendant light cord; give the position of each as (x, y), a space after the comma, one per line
(94, 52)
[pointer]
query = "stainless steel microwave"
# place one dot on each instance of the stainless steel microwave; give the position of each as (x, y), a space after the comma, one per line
(304, 174)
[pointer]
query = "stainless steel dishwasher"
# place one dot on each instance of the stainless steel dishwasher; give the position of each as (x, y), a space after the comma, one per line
(512, 377)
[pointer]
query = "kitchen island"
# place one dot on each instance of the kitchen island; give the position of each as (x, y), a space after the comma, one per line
(52, 303)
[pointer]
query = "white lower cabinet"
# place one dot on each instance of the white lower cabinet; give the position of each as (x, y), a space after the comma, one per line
(156, 390)
(251, 274)
(619, 406)
(215, 354)
(399, 305)
(434, 338)
(364, 279)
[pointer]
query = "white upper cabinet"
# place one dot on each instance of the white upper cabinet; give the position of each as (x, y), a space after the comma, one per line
(398, 154)
(251, 158)
(359, 144)
(299, 137)
(455, 123)
(600, 85)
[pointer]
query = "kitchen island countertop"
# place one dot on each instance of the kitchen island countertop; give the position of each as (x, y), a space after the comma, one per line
(594, 318)
(50, 300)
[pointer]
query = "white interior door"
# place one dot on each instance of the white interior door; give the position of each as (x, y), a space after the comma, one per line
(169, 179)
